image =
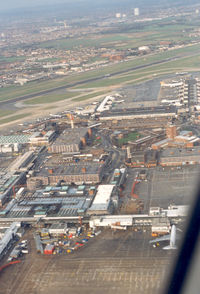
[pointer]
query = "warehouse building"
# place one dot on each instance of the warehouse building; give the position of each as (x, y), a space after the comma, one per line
(57, 205)
(78, 174)
(9, 235)
(147, 159)
(71, 141)
(38, 139)
(58, 228)
(102, 203)
(185, 139)
(178, 157)
(144, 113)
(23, 162)
(14, 139)
(8, 180)
(10, 148)
(13, 143)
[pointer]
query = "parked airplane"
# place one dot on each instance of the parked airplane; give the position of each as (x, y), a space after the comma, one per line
(171, 237)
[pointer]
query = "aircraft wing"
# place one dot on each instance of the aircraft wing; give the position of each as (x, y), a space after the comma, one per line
(162, 238)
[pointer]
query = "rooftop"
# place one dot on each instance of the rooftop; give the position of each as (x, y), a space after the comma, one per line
(102, 198)
(71, 169)
(140, 111)
(22, 139)
(71, 136)
(176, 152)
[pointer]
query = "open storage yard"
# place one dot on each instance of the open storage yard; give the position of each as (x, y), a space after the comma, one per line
(114, 262)
(164, 186)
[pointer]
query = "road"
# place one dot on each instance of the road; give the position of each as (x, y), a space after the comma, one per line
(118, 156)
(29, 96)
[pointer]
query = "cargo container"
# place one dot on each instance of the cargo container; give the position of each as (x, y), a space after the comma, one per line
(97, 233)
(84, 240)
(49, 249)
(25, 251)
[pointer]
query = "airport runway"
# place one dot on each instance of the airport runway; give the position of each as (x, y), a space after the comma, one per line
(25, 97)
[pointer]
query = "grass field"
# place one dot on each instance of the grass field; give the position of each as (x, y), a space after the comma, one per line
(50, 98)
(130, 137)
(13, 118)
(35, 87)
(6, 112)
(187, 63)
(94, 41)
(92, 95)
(4, 59)
(129, 35)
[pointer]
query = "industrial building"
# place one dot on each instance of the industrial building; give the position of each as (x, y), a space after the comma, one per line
(178, 157)
(118, 177)
(147, 159)
(171, 211)
(23, 162)
(86, 173)
(102, 203)
(38, 139)
(144, 113)
(8, 180)
(10, 148)
(71, 141)
(53, 201)
(111, 220)
(15, 139)
(185, 139)
(13, 143)
(160, 226)
(58, 228)
(9, 235)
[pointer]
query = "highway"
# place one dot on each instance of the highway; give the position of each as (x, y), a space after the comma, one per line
(29, 96)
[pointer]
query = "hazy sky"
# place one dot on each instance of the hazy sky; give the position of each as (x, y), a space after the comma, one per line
(13, 4)
(10, 4)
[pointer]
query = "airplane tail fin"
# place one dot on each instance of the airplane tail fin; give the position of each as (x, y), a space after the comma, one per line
(170, 247)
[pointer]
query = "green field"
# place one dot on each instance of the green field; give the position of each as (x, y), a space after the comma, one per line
(92, 95)
(11, 59)
(188, 63)
(94, 41)
(6, 112)
(50, 98)
(13, 118)
(35, 87)
(130, 137)
(130, 35)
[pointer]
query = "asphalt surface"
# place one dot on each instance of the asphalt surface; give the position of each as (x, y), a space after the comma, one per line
(25, 97)
(165, 187)
(113, 263)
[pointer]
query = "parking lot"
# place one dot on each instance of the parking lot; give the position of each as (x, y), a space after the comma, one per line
(164, 186)
(113, 262)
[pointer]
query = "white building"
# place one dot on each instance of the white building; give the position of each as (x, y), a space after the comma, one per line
(136, 11)
(102, 203)
(8, 236)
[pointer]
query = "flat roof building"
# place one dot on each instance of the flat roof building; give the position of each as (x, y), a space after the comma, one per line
(13, 139)
(70, 141)
(102, 203)
(132, 113)
(73, 173)
(178, 157)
